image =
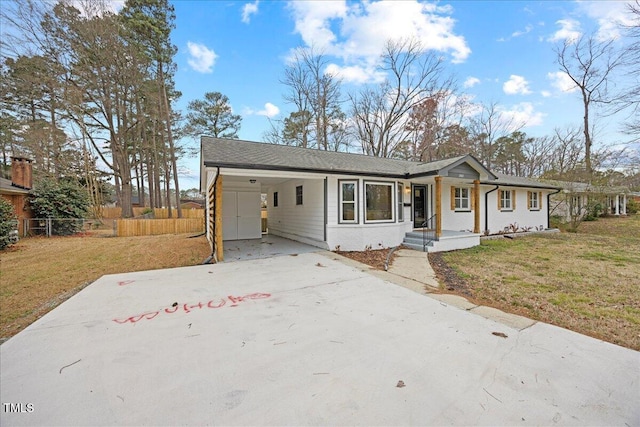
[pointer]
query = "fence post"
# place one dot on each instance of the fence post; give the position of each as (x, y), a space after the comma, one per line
(48, 226)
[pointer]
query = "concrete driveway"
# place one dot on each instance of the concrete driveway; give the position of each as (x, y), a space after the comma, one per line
(300, 340)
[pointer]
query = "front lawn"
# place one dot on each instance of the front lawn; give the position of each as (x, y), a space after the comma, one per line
(38, 273)
(588, 281)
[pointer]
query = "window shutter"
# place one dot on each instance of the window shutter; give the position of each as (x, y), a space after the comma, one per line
(513, 200)
(453, 198)
(499, 196)
(529, 200)
(540, 200)
(473, 198)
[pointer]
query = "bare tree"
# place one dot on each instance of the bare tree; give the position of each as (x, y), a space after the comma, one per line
(537, 152)
(431, 122)
(381, 114)
(486, 128)
(630, 99)
(590, 64)
(567, 154)
(315, 94)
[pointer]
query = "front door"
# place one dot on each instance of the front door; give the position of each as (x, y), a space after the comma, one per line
(419, 205)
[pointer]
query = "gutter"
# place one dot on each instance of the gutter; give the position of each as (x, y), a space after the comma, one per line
(304, 170)
(486, 207)
(213, 255)
(549, 206)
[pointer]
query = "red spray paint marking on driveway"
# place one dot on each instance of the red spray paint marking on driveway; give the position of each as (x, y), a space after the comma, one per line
(187, 308)
(125, 282)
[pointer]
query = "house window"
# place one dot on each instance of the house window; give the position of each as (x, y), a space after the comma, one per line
(399, 199)
(299, 195)
(379, 201)
(348, 201)
(507, 200)
(275, 199)
(534, 200)
(461, 198)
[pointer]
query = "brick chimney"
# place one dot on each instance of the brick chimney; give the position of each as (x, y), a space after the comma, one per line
(21, 175)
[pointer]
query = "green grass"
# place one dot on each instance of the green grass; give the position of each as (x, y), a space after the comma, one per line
(587, 281)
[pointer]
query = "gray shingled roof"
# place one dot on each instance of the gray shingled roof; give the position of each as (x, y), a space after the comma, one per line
(7, 186)
(583, 187)
(234, 153)
(256, 155)
(519, 181)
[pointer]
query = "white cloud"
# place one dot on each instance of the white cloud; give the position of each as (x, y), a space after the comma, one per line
(545, 93)
(561, 81)
(201, 58)
(249, 9)
(527, 29)
(611, 16)
(313, 21)
(357, 33)
(522, 115)
(96, 9)
(355, 73)
(471, 82)
(269, 110)
(516, 85)
(569, 31)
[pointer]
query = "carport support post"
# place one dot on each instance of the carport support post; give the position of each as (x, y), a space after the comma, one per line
(218, 219)
(438, 206)
(476, 203)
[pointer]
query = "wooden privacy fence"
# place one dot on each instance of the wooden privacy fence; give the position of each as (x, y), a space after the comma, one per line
(158, 213)
(149, 227)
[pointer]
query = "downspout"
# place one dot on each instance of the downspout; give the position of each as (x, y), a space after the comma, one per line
(326, 213)
(549, 205)
(486, 208)
(213, 255)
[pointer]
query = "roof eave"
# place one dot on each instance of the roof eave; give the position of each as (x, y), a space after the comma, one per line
(302, 170)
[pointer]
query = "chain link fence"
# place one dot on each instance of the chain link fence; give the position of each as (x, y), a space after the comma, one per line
(54, 226)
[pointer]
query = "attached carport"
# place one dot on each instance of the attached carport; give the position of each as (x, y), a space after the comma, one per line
(234, 206)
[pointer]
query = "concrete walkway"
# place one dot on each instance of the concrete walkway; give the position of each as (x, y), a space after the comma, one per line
(300, 340)
(411, 269)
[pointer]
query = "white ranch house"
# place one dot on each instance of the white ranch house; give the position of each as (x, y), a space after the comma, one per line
(351, 202)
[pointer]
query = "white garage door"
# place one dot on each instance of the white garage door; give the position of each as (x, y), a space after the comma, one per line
(241, 215)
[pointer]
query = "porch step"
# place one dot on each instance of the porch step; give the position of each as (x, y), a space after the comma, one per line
(413, 240)
(417, 247)
(448, 241)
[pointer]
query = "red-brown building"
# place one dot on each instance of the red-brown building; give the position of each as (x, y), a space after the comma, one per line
(16, 190)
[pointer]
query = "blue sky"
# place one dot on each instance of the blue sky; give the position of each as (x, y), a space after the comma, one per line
(500, 51)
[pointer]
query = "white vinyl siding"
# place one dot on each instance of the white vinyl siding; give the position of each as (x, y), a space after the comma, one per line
(290, 219)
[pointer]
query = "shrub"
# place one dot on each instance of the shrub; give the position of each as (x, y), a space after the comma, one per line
(593, 212)
(633, 207)
(556, 221)
(61, 201)
(8, 221)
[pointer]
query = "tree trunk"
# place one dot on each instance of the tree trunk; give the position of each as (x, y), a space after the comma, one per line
(172, 151)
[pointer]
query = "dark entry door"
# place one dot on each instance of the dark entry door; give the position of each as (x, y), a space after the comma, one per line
(419, 205)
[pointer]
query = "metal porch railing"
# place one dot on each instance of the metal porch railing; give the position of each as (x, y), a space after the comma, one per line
(428, 232)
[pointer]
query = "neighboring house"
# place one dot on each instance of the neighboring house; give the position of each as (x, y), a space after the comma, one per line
(192, 203)
(351, 202)
(16, 190)
(577, 198)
